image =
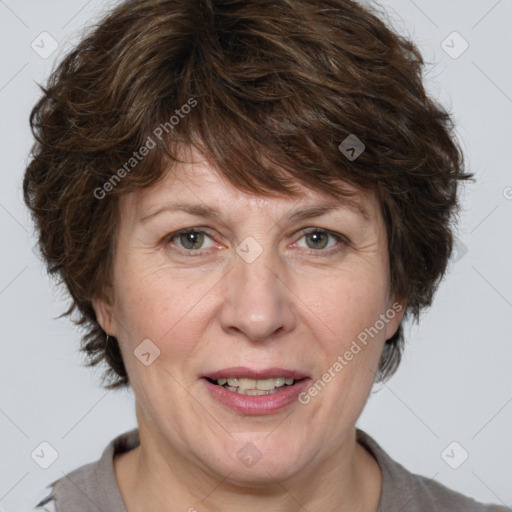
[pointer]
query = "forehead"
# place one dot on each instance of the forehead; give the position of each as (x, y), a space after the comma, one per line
(198, 183)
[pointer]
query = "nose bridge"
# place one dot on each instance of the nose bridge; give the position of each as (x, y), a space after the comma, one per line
(256, 301)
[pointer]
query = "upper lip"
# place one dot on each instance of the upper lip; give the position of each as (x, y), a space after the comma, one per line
(253, 373)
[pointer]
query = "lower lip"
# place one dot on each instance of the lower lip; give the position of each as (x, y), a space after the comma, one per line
(257, 405)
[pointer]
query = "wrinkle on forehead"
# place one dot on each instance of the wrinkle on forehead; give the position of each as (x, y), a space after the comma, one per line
(204, 183)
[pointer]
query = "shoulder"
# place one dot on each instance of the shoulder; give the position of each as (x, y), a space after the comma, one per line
(47, 504)
(92, 485)
(69, 492)
(423, 492)
(409, 492)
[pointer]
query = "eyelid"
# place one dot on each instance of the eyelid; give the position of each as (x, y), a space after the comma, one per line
(302, 232)
(319, 252)
(167, 239)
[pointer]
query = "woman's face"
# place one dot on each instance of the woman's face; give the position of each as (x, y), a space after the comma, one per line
(257, 287)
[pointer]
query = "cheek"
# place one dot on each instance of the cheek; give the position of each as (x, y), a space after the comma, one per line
(349, 304)
(352, 355)
(163, 308)
(355, 303)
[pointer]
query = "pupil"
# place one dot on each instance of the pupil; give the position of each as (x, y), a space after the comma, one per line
(315, 237)
(191, 238)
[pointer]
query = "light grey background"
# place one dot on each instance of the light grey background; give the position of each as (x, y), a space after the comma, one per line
(455, 382)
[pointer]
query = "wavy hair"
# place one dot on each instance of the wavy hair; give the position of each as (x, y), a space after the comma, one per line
(278, 85)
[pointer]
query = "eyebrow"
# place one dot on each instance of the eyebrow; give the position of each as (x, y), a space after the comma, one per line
(300, 213)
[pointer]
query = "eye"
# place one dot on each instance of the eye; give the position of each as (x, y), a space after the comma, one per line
(189, 240)
(318, 240)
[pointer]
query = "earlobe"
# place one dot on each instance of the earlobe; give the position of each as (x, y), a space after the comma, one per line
(394, 314)
(104, 316)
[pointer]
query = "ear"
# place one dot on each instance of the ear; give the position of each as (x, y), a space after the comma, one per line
(104, 315)
(394, 314)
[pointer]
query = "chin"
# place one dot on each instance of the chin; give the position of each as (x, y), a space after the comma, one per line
(262, 475)
(247, 465)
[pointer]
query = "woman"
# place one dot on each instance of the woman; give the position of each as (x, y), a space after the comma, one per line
(245, 200)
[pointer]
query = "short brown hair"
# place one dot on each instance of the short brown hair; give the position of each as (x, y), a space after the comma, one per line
(273, 88)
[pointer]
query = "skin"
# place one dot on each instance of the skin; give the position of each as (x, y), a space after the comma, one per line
(298, 305)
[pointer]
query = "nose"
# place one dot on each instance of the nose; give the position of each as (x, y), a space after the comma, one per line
(257, 302)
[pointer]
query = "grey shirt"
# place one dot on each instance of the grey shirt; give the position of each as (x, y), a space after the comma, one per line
(93, 487)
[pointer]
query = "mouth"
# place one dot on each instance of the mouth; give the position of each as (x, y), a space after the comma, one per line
(250, 391)
(254, 387)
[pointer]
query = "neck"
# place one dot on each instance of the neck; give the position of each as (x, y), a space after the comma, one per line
(154, 476)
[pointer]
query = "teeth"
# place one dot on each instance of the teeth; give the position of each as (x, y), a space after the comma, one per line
(280, 382)
(247, 383)
(266, 384)
(253, 392)
(241, 384)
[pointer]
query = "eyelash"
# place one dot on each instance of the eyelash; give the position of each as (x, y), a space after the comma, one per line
(193, 253)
